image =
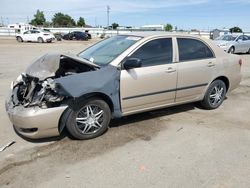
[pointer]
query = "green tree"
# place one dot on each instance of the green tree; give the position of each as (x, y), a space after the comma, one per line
(115, 25)
(81, 22)
(168, 27)
(235, 30)
(63, 20)
(47, 24)
(39, 18)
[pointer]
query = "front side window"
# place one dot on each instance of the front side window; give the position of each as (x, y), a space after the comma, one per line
(192, 49)
(155, 52)
(245, 37)
(227, 38)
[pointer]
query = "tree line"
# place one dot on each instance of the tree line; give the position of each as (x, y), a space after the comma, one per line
(59, 20)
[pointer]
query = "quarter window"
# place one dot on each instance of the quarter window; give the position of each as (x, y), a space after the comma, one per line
(192, 49)
(155, 52)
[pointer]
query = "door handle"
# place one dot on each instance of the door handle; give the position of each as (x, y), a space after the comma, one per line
(210, 64)
(170, 70)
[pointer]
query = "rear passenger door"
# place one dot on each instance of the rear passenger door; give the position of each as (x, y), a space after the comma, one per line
(196, 66)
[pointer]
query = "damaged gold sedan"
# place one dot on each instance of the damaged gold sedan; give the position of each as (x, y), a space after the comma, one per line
(119, 76)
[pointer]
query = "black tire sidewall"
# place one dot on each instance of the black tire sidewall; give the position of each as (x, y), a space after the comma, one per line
(74, 130)
(206, 103)
(19, 39)
(231, 50)
(40, 40)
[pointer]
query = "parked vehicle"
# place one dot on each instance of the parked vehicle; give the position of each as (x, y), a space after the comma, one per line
(35, 36)
(58, 36)
(75, 35)
(234, 43)
(89, 35)
(119, 76)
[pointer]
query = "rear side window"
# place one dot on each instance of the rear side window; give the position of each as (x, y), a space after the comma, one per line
(192, 49)
(155, 52)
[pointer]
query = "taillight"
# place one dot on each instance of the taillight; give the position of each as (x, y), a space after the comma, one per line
(240, 62)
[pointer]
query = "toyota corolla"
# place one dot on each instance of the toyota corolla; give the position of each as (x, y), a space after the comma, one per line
(119, 76)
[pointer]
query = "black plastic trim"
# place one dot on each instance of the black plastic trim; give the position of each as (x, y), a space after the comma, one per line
(164, 91)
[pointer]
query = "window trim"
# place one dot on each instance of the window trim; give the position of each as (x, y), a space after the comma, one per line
(199, 59)
(145, 42)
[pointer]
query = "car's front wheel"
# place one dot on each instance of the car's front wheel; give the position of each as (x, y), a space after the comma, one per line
(231, 50)
(40, 40)
(90, 120)
(215, 95)
(19, 39)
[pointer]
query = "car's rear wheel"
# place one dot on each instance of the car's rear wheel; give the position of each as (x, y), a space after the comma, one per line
(90, 120)
(215, 95)
(40, 40)
(231, 50)
(19, 39)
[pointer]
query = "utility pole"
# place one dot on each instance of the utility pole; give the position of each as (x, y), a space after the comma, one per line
(2, 21)
(108, 10)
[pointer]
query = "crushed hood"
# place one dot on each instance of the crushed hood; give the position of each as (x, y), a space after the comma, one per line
(47, 65)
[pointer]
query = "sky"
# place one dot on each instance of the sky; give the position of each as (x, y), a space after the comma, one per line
(185, 14)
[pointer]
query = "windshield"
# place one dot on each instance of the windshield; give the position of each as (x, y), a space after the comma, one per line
(107, 50)
(227, 38)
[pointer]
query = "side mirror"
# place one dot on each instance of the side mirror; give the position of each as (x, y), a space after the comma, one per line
(132, 63)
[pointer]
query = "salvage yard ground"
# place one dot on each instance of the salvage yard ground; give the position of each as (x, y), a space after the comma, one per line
(182, 146)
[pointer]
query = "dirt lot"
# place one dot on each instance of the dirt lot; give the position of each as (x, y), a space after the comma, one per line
(176, 147)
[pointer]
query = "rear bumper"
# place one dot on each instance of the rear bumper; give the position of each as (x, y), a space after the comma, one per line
(35, 122)
(50, 39)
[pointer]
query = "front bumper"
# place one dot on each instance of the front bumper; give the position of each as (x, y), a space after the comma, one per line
(225, 48)
(35, 122)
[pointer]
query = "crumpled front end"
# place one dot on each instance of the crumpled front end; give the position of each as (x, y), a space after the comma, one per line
(34, 108)
(34, 105)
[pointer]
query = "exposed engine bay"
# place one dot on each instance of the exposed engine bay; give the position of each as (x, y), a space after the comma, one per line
(37, 87)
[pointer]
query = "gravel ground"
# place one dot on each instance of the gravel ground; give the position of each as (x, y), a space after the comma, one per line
(181, 146)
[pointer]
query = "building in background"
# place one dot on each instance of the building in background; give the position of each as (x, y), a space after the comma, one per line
(153, 27)
(21, 27)
(218, 32)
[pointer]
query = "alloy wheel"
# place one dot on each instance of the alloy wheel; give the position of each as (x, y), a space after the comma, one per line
(90, 119)
(217, 94)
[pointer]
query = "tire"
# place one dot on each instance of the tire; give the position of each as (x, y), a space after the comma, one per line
(215, 95)
(248, 51)
(19, 39)
(90, 120)
(40, 40)
(231, 50)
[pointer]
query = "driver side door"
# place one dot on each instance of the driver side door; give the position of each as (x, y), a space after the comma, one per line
(26, 36)
(154, 83)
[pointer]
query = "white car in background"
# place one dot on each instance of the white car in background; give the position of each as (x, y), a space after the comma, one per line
(35, 36)
(234, 43)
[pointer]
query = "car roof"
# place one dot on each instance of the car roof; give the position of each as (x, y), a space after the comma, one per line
(159, 34)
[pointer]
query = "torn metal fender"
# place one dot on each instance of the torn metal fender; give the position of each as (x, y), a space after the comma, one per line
(105, 80)
(47, 65)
